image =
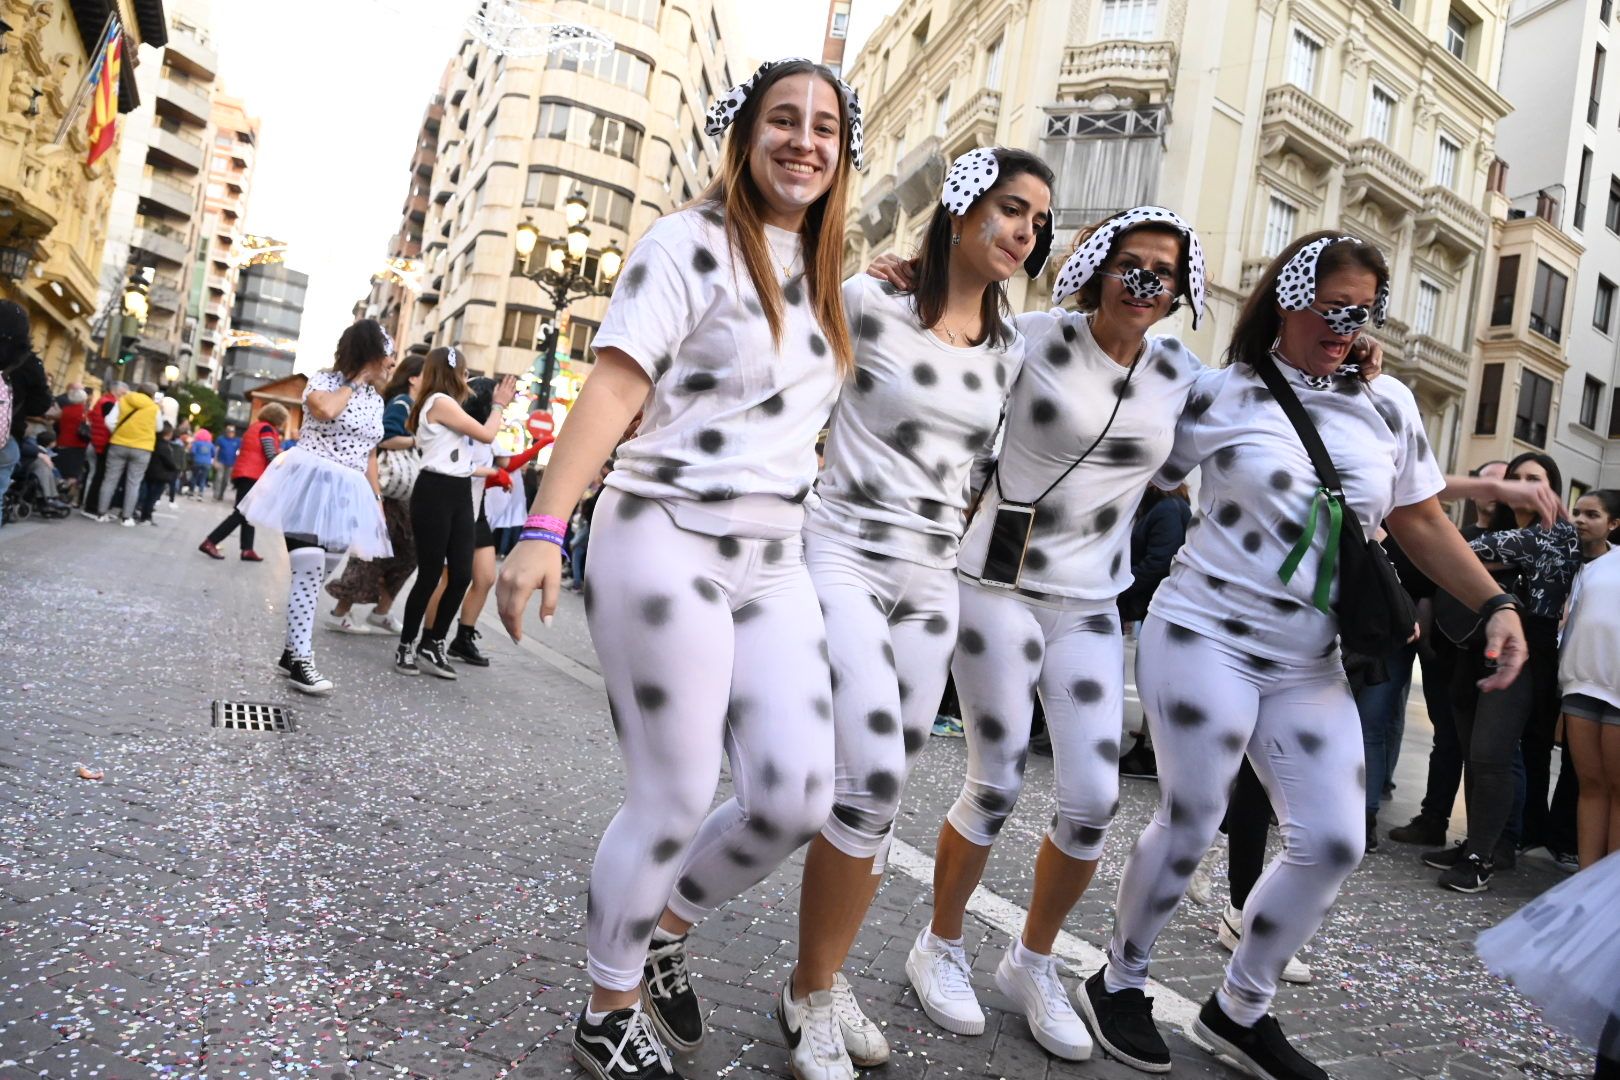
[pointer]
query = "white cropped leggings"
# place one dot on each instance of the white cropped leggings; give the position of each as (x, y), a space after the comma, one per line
(1207, 705)
(1007, 651)
(708, 645)
(891, 626)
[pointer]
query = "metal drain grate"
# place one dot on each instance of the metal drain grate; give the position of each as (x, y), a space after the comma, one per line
(251, 716)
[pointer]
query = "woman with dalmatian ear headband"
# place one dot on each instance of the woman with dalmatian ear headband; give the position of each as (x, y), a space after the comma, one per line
(1088, 421)
(728, 329)
(907, 437)
(1239, 655)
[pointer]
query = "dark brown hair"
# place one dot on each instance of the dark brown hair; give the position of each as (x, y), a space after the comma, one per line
(1260, 321)
(404, 371)
(363, 343)
(933, 260)
(1089, 298)
(439, 377)
(822, 235)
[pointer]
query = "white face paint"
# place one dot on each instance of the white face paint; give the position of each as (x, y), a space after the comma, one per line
(796, 143)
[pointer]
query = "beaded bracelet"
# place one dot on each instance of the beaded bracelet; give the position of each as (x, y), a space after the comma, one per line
(545, 522)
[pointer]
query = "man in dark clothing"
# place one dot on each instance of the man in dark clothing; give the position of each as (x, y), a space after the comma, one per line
(26, 391)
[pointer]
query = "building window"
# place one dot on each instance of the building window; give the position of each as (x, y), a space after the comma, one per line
(617, 67)
(1534, 409)
(840, 22)
(1603, 310)
(1547, 304)
(1605, 10)
(1507, 287)
(1446, 153)
(942, 111)
(550, 190)
(1134, 19)
(520, 329)
(1303, 53)
(1591, 399)
(580, 335)
(1581, 183)
(643, 10)
(1490, 400)
(587, 127)
(1457, 29)
(992, 66)
(1281, 219)
(1594, 96)
(691, 145)
(1614, 413)
(899, 146)
(1380, 114)
(1428, 307)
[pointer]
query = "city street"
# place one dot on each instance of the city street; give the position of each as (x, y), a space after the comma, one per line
(397, 886)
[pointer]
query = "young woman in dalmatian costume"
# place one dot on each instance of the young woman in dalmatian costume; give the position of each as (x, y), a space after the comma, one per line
(1239, 653)
(931, 376)
(728, 330)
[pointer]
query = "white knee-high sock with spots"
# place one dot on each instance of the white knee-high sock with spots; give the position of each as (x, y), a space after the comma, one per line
(309, 568)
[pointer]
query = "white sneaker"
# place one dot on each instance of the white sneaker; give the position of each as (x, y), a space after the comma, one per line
(387, 623)
(129, 523)
(815, 1044)
(1230, 932)
(345, 624)
(944, 984)
(862, 1038)
(1201, 889)
(1039, 994)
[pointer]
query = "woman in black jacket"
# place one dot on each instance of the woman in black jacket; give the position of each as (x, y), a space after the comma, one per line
(168, 462)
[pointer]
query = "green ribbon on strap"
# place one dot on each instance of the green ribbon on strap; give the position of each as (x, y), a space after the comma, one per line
(1330, 554)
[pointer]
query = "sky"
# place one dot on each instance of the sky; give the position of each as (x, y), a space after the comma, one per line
(340, 87)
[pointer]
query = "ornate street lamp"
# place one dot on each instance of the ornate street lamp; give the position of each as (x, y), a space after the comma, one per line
(563, 276)
(136, 302)
(14, 262)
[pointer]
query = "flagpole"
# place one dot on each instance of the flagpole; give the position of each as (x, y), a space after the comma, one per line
(84, 82)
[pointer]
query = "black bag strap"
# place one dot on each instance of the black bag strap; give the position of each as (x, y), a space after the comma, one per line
(1304, 426)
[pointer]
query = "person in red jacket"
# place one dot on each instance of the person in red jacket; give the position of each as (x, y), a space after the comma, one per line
(100, 436)
(70, 445)
(260, 445)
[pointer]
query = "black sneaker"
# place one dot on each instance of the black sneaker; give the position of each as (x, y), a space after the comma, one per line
(1263, 1050)
(1372, 831)
(1471, 875)
(306, 679)
(622, 1047)
(1139, 762)
(431, 659)
(1425, 830)
(667, 995)
(465, 647)
(1506, 855)
(404, 662)
(285, 663)
(1122, 1024)
(1445, 858)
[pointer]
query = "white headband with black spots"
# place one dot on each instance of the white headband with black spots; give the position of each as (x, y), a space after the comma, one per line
(724, 110)
(975, 173)
(450, 357)
(1088, 259)
(1296, 289)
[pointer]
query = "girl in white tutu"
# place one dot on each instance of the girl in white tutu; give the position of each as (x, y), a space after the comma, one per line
(322, 495)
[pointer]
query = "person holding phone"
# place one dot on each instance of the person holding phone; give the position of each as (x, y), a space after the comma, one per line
(1239, 655)
(728, 325)
(932, 369)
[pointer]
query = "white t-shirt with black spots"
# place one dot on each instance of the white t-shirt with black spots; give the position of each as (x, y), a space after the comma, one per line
(350, 436)
(447, 452)
(1059, 404)
(1255, 491)
(728, 436)
(907, 430)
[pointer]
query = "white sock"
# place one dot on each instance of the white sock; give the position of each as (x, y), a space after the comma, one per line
(1027, 958)
(594, 1017)
(664, 937)
(933, 941)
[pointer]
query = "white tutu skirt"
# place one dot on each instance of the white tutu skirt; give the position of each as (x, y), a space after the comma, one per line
(304, 494)
(505, 508)
(1562, 951)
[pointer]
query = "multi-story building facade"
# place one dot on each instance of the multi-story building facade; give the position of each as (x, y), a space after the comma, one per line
(1258, 120)
(520, 135)
(53, 207)
(228, 183)
(1554, 385)
(265, 320)
(154, 225)
(394, 288)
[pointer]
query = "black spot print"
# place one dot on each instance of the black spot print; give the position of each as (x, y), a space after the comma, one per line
(971, 642)
(1260, 663)
(1001, 374)
(1106, 517)
(747, 613)
(931, 509)
(1108, 750)
(1251, 542)
(651, 697)
(737, 710)
(773, 551)
(1185, 865)
(1164, 367)
(1290, 531)
(1124, 450)
(1233, 741)
(630, 506)
(1124, 389)
(1229, 514)
(711, 440)
(883, 784)
(655, 610)
(745, 859)
(1043, 411)
(888, 653)
(1087, 691)
(643, 928)
(1180, 633)
(661, 368)
(904, 688)
(1214, 582)
(863, 380)
(868, 327)
(992, 729)
(729, 546)
(1256, 395)
(994, 802)
(1113, 567)
(937, 624)
(764, 828)
(665, 850)
(1261, 926)
(770, 776)
(1282, 480)
(1310, 742)
(888, 288)
(925, 375)
(1035, 560)
(1088, 835)
(1236, 627)
(793, 290)
(1341, 854)
(703, 261)
(1163, 904)
(1285, 605)
(699, 382)
(802, 494)
(1198, 405)
(907, 435)
(1098, 624)
(717, 494)
(1225, 456)
(818, 344)
(455, 455)
(753, 307)
(823, 708)
(633, 278)
(1185, 714)
(916, 739)
(971, 380)
(1057, 354)
(1032, 650)
(667, 472)
(1361, 775)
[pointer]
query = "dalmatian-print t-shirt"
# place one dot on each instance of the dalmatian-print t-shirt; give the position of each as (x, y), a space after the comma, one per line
(1060, 403)
(349, 437)
(444, 451)
(1256, 484)
(728, 435)
(906, 432)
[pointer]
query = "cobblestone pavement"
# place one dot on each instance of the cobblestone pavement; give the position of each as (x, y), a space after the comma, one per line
(397, 887)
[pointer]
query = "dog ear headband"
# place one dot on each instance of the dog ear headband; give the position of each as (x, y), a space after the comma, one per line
(975, 173)
(725, 109)
(1296, 290)
(1090, 256)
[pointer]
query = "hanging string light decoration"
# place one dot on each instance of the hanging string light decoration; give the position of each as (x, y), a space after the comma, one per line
(510, 27)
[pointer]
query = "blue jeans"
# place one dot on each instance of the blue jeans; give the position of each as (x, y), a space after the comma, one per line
(1383, 721)
(10, 454)
(199, 479)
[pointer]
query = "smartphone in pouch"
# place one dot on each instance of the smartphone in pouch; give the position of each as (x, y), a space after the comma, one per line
(1009, 541)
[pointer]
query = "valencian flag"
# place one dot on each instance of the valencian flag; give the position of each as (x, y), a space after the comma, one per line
(102, 126)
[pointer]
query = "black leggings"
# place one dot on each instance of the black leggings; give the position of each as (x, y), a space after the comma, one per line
(243, 485)
(442, 520)
(1248, 819)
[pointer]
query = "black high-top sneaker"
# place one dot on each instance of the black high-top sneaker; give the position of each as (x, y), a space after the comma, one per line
(430, 658)
(284, 665)
(1472, 874)
(404, 662)
(306, 679)
(624, 1046)
(666, 991)
(465, 646)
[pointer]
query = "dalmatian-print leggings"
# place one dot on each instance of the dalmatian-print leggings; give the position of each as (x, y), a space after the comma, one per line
(708, 644)
(310, 565)
(1007, 651)
(1208, 705)
(891, 625)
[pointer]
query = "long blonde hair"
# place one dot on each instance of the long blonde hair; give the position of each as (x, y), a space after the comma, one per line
(822, 234)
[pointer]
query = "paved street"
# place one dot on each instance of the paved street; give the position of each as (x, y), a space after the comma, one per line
(397, 887)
